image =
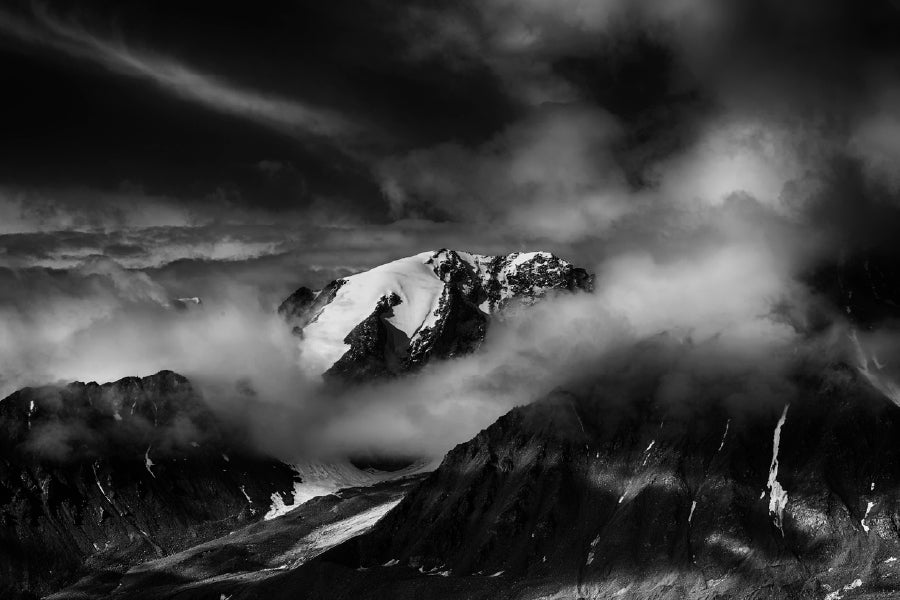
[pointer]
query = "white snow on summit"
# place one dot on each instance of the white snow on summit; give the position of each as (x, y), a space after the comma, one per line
(410, 278)
(422, 284)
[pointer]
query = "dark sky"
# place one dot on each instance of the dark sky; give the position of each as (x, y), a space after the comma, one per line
(151, 150)
(118, 116)
(77, 114)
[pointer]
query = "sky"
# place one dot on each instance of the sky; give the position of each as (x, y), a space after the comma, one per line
(717, 163)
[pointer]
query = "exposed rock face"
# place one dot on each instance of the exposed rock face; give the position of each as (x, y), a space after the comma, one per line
(398, 316)
(599, 497)
(93, 475)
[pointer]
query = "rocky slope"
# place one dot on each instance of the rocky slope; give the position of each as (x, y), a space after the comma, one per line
(252, 554)
(94, 477)
(595, 496)
(396, 317)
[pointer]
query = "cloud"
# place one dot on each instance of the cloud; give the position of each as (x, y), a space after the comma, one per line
(876, 141)
(687, 331)
(29, 210)
(102, 322)
(551, 174)
(521, 41)
(704, 158)
(286, 115)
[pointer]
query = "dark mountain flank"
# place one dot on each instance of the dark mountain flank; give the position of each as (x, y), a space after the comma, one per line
(591, 495)
(93, 477)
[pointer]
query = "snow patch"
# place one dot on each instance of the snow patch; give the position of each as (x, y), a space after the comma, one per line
(322, 479)
(391, 563)
(525, 257)
(865, 516)
(724, 435)
(693, 508)
(329, 536)
(646, 453)
(97, 480)
(278, 508)
(778, 497)
(836, 595)
(149, 463)
(590, 556)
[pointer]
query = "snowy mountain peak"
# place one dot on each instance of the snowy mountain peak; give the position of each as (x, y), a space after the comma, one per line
(394, 317)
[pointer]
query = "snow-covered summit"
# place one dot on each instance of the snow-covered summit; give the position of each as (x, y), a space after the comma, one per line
(395, 316)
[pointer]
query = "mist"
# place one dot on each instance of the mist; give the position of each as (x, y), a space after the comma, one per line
(706, 160)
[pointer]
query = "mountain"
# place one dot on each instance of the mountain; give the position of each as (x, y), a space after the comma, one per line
(595, 495)
(396, 317)
(94, 477)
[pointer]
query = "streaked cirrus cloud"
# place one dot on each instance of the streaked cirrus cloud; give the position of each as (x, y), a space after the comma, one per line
(288, 115)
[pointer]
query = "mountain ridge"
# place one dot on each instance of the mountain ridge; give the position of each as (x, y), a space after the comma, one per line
(97, 475)
(396, 317)
(636, 499)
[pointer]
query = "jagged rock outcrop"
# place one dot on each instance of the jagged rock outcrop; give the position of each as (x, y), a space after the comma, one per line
(98, 475)
(595, 495)
(396, 317)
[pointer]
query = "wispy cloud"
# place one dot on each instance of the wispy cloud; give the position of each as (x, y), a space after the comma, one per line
(286, 115)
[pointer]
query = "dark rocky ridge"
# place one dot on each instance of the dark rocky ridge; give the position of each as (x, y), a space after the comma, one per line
(477, 288)
(78, 494)
(592, 496)
(303, 305)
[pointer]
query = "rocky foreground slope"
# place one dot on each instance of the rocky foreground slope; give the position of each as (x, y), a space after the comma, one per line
(589, 495)
(98, 476)
(396, 317)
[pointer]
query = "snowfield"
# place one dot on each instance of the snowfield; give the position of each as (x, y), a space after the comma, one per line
(413, 281)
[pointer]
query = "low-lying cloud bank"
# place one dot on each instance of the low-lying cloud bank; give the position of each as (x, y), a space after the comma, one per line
(713, 313)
